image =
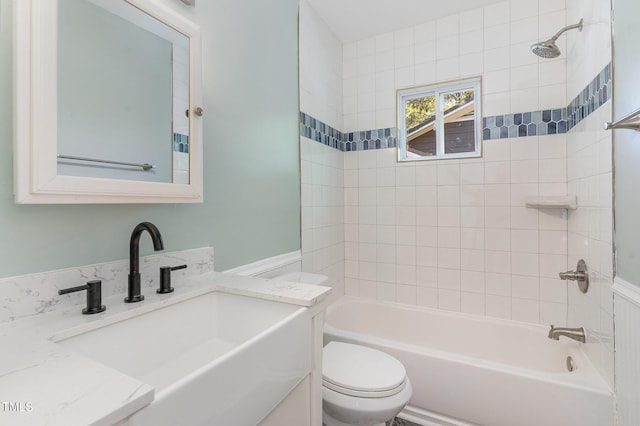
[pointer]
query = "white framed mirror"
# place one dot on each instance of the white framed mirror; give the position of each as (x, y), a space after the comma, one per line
(107, 103)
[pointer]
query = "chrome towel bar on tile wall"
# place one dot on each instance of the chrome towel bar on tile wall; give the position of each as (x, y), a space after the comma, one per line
(629, 121)
(144, 166)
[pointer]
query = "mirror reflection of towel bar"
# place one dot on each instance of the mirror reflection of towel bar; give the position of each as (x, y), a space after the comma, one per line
(144, 166)
(629, 121)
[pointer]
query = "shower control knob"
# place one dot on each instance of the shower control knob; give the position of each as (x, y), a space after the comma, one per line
(580, 275)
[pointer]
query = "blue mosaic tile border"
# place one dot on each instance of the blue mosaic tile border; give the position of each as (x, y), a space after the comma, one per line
(522, 124)
(180, 143)
(551, 121)
(592, 97)
(370, 139)
(318, 131)
(535, 123)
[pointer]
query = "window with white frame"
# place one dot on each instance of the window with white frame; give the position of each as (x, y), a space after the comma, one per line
(440, 121)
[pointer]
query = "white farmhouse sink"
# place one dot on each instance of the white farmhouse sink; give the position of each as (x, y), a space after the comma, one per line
(214, 359)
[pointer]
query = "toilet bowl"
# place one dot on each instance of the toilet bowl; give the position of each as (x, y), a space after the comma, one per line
(360, 385)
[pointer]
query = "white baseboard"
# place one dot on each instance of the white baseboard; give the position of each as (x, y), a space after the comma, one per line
(428, 418)
(627, 290)
(266, 265)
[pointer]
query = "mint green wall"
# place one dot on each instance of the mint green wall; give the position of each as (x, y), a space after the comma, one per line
(251, 166)
(626, 98)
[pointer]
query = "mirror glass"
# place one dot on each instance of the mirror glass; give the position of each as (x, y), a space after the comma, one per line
(123, 90)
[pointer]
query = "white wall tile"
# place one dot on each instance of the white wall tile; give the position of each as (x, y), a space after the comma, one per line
(448, 68)
(498, 262)
(526, 310)
(406, 294)
(472, 303)
(427, 276)
(525, 287)
(497, 239)
(449, 300)
(426, 174)
(406, 274)
(386, 291)
(472, 238)
(524, 148)
(497, 172)
(553, 170)
(448, 195)
(496, 36)
(497, 194)
(472, 281)
(497, 217)
(447, 47)
(471, 195)
(448, 258)
(498, 306)
(524, 30)
(471, 42)
(496, 150)
(472, 260)
(524, 240)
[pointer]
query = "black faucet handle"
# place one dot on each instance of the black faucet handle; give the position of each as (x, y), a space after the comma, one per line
(165, 278)
(94, 296)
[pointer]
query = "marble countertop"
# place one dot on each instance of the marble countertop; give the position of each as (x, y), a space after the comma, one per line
(42, 383)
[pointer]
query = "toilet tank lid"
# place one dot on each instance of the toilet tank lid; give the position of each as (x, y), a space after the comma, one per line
(361, 368)
(303, 277)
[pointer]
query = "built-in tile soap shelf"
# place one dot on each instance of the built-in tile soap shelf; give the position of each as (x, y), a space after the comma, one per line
(552, 202)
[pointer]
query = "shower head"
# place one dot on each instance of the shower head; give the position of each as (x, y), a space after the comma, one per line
(548, 48)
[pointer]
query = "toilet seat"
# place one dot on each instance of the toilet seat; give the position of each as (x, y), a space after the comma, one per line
(360, 371)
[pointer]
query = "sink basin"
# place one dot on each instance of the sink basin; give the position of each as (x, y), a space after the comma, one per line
(215, 357)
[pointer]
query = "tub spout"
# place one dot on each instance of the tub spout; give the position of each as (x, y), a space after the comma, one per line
(572, 333)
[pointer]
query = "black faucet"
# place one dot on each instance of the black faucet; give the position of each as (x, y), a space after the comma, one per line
(134, 258)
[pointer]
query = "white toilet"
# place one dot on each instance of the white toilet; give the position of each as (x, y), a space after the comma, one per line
(360, 385)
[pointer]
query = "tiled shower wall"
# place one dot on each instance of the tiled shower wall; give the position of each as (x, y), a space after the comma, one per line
(320, 69)
(454, 234)
(321, 166)
(589, 152)
(322, 212)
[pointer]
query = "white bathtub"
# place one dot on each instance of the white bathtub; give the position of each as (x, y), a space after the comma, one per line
(471, 370)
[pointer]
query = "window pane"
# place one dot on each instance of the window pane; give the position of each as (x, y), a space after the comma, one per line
(420, 115)
(440, 121)
(459, 121)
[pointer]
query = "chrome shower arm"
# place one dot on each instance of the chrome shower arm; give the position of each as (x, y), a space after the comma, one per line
(567, 28)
